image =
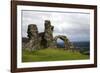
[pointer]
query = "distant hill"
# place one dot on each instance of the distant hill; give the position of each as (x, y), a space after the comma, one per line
(76, 44)
(84, 47)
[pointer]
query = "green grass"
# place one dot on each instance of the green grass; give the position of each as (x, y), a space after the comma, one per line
(51, 55)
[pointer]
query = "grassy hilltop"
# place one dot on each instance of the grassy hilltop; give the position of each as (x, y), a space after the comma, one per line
(49, 54)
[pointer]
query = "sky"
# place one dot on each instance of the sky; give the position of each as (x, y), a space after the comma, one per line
(75, 26)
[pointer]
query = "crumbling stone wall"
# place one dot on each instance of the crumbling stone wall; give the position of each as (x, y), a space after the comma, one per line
(33, 37)
(42, 40)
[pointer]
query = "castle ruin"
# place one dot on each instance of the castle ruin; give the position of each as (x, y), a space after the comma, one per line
(44, 39)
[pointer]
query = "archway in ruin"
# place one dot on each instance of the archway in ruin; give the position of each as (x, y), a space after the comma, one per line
(64, 38)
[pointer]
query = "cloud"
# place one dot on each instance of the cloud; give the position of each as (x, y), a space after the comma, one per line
(76, 26)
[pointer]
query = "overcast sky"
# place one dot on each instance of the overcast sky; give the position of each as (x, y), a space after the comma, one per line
(76, 26)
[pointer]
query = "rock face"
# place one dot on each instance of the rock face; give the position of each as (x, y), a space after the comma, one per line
(44, 39)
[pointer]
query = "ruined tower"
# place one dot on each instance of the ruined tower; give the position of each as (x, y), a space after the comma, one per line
(48, 33)
(33, 37)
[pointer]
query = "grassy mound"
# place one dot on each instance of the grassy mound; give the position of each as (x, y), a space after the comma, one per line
(51, 55)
